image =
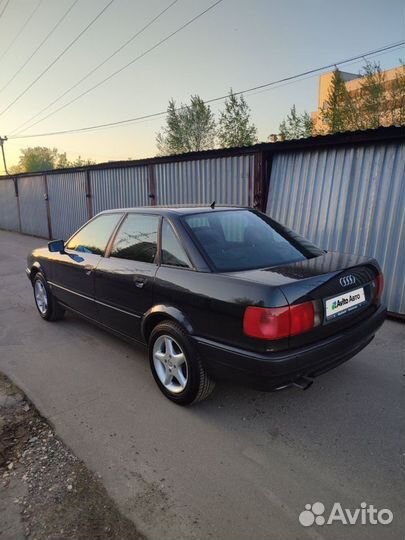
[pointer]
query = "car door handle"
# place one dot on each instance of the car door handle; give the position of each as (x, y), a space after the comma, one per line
(140, 282)
(88, 268)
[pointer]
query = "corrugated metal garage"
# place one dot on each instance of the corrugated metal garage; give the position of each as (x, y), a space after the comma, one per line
(349, 199)
(8, 206)
(345, 192)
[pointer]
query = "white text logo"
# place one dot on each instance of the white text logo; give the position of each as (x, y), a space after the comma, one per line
(367, 514)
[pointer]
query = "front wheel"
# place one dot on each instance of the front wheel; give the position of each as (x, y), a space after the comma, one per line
(46, 303)
(175, 365)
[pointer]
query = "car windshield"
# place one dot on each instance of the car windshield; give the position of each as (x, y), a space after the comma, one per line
(243, 240)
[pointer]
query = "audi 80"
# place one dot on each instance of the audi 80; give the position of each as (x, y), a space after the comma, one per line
(214, 292)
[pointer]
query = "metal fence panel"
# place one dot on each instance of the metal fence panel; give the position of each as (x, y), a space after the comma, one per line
(8, 206)
(68, 203)
(31, 193)
(119, 188)
(227, 180)
(348, 199)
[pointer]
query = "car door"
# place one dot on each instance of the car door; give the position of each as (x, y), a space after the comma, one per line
(177, 283)
(72, 276)
(124, 280)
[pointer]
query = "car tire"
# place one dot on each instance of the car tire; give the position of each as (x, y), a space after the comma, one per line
(175, 365)
(47, 305)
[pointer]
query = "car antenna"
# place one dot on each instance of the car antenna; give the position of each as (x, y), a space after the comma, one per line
(213, 205)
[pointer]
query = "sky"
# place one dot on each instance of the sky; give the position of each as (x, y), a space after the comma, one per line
(238, 44)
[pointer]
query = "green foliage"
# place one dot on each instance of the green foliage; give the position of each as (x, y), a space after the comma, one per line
(372, 102)
(396, 99)
(189, 128)
(339, 112)
(378, 102)
(41, 158)
(80, 162)
(38, 158)
(296, 126)
(62, 161)
(234, 126)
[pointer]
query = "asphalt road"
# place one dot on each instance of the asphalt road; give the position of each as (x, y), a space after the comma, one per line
(241, 465)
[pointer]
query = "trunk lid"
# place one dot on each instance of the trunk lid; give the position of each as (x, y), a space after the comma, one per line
(328, 277)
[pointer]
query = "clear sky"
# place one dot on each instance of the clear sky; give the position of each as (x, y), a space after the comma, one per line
(237, 44)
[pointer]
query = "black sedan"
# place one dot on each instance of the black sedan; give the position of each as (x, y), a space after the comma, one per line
(219, 292)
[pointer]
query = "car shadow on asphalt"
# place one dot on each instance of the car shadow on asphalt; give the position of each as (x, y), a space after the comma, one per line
(339, 404)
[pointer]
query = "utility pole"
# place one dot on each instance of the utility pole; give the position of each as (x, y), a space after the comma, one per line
(2, 141)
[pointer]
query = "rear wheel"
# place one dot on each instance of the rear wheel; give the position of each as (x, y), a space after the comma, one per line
(46, 303)
(175, 365)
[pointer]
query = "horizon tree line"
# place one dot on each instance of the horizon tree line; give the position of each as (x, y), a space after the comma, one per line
(194, 127)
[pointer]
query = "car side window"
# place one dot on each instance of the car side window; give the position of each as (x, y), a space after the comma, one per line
(137, 238)
(173, 253)
(93, 237)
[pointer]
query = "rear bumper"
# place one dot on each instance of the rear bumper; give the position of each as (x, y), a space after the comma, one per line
(275, 370)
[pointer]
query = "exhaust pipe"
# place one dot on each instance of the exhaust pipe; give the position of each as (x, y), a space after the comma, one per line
(303, 382)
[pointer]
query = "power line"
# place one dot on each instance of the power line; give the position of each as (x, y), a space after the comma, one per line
(4, 8)
(373, 55)
(245, 91)
(126, 65)
(267, 86)
(21, 29)
(130, 40)
(57, 58)
(40, 45)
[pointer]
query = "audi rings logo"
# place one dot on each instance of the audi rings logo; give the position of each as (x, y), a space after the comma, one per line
(347, 280)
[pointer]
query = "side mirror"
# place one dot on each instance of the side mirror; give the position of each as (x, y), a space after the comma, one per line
(56, 246)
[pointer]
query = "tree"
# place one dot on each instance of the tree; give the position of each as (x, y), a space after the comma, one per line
(339, 112)
(296, 126)
(41, 158)
(234, 127)
(80, 162)
(62, 162)
(37, 158)
(189, 128)
(372, 103)
(396, 99)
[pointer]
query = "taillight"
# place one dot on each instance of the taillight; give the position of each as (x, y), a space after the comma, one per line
(302, 318)
(379, 286)
(267, 323)
(278, 323)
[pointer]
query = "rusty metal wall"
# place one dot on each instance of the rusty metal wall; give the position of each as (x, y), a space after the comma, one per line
(119, 188)
(31, 194)
(67, 202)
(8, 206)
(227, 180)
(349, 199)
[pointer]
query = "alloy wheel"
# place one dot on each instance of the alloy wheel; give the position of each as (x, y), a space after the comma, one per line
(170, 364)
(41, 297)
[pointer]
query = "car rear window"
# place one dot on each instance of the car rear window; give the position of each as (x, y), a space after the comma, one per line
(243, 240)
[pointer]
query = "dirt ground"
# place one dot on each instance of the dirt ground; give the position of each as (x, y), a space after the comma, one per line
(45, 491)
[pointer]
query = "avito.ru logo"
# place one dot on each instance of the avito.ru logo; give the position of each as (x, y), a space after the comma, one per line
(367, 514)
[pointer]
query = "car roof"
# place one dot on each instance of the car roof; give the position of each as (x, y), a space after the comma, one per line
(174, 210)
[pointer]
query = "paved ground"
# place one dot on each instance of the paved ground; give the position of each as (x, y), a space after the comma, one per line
(242, 464)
